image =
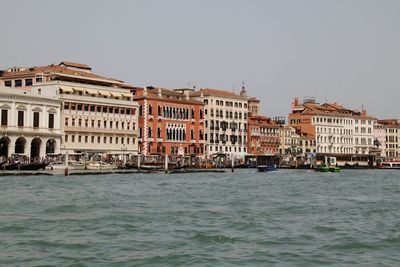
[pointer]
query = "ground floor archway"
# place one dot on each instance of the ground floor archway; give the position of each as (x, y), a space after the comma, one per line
(20, 144)
(50, 146)
(35, 148)
(4, 145)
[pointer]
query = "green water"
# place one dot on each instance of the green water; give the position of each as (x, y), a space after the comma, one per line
(284, 218)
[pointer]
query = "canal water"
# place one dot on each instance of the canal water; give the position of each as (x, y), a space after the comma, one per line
(284, 218)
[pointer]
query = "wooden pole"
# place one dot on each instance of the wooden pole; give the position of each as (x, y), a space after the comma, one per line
(166, 163)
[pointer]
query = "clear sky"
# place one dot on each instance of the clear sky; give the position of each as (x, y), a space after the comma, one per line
(343, 51)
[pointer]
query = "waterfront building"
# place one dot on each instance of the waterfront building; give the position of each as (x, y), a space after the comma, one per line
(392, 148)
(335, 129)
(170, 122)
(98, 114)
(263, 136)
(225, 122)
(30, 124)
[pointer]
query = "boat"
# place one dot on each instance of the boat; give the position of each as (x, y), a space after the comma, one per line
(389, 164)
(321, 168)
(267, 168)
(329, 165)
(34, 166)
(100, 166)
(267, 163)
(11, 166)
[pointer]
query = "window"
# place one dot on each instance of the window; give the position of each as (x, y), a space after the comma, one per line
(4, 117)
(8, 83)
(92, 139)
(18, 83)
(20, 118)
(51, 121)
(36, 119)
(28, 82)
(39, 79)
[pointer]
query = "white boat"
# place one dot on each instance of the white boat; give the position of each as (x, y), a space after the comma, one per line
(390, 164)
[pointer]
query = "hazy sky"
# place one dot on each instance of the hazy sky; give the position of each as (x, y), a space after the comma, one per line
(344, 51)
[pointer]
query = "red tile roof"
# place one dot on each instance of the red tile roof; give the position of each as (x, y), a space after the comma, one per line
(216, 92)
(56, 70)
(75, 65)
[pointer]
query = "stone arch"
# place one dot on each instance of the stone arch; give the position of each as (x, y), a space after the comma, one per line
(35, 148)
(20, 145)
(50, 146)
(4, 146)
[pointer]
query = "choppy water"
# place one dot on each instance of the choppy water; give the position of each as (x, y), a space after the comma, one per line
(285, 218)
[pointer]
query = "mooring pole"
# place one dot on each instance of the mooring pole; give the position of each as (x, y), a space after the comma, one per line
(66, 171)
(232, 163)
(166, 163)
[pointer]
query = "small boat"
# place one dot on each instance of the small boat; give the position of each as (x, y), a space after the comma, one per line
(329, 165)
(389, 164)
(322, 168)
(267, 168)
(32, 166)
(334, 169)
(11, 166)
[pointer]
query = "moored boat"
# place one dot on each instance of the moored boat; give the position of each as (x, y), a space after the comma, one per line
(267, 168)
(389, 164)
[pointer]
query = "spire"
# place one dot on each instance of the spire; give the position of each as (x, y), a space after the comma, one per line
(243, 92)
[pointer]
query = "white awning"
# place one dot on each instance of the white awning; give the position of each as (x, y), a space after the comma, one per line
(78, 89)
(127, 95)
(92, 92)
(66, 89)
(104, 93)
(116, 94)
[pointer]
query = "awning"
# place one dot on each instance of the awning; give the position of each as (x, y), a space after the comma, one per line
(127, 95)
(78, 89)
(92, 92)
(104, 93)
(66, 89)
(116, 94)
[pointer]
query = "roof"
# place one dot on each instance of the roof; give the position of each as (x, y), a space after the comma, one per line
(167, 95)
(216, 92)
(75, 65)
(332, 109)
(390, 122)
(262, 121)
(60, 70)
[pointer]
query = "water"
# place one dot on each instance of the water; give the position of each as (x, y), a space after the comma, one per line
(285, 218)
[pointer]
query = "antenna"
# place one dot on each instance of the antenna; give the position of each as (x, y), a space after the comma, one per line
(243, 84)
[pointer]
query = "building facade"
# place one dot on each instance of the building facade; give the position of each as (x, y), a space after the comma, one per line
(225, 122)
(263, 136)
(392, 144)
(98, 114)
(170, 122)
(30, 124)
(336, 129)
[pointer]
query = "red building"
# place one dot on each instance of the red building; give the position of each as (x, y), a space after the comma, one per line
(263, 135)
(169, 122)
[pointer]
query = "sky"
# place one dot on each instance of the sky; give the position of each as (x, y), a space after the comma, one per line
(337, 51)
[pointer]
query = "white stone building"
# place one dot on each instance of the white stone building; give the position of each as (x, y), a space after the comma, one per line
(225, 122)
(30, 124)
(96, 114)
